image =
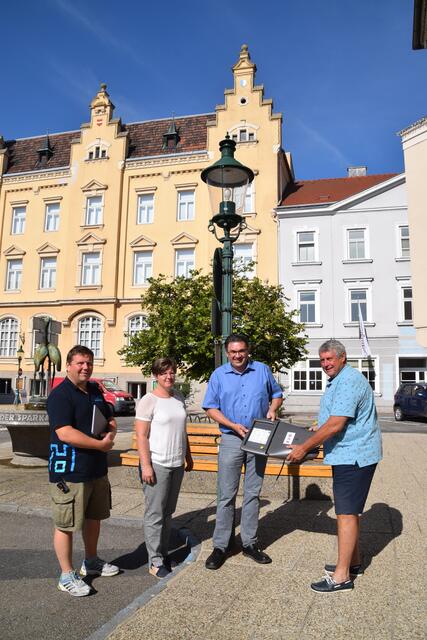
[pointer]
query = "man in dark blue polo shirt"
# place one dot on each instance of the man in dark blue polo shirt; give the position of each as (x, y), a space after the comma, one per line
(238, 392)
(79, 486)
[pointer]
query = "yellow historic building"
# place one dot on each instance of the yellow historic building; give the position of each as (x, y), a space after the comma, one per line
(88, 215)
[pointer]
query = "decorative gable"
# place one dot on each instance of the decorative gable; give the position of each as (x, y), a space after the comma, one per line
(143, 242)
(47, 248)
(14, 251)
(184, 241)
(90, 240)
(94, 186)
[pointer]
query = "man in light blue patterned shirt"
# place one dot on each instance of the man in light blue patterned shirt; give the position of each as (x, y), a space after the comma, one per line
(349, 429)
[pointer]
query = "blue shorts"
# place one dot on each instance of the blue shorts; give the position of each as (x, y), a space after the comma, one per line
(351, 485)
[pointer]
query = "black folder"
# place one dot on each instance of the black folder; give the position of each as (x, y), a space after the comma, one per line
(273, 437)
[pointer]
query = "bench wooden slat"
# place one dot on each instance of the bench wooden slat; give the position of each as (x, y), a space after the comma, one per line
(204, 440)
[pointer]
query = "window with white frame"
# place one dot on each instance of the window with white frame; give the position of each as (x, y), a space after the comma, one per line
(406, 310)
(244, 135)
(184, 262)
(307, 375)
(248, 206)
(142, 267)
(14, 274)
(307, 306)
(136, 324)
(8, 337)
(186, 203)
(48, 273)
(358, 299)
(356, 244)
(94, 206)
(91, 268)
(306, 247)
(51, 219)
(89, 334)
(243, 255)
(145, 214)
(19, 215)
(367, 367)
(404, 241)
(96, 152)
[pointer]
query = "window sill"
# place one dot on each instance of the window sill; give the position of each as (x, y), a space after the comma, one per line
(92, 226)
(358, 261)
(313, 325)
(45, 290)
(401, 259)
(12, 291)
(306, 264)
(140, 286)
(356, 324)
(405, 323)
(89, 287)
(150, 222)
(96, 159)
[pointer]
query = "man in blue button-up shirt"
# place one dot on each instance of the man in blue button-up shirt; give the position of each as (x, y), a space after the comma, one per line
(239, 392)
(349, 429)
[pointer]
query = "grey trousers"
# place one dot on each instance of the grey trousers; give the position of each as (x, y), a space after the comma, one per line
(160, 504)
(230, 461)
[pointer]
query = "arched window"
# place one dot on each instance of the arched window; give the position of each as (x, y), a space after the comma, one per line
(8, 336)
(135, 324)
(90, 334)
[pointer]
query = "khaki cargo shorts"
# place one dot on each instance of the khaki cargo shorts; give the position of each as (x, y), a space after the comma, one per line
(91, 499)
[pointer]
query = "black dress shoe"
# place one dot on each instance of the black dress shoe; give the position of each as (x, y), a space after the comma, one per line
(216, 559)
(254, 552)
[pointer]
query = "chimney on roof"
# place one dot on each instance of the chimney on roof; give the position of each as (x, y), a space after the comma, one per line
(355, 172)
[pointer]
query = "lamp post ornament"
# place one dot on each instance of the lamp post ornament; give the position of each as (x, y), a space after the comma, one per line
(227, 180)
(18, 381)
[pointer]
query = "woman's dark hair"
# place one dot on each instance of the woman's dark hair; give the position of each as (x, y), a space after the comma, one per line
(160, 365)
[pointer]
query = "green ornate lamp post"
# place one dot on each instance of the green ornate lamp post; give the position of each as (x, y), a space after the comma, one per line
(20, 354)
(227, 180)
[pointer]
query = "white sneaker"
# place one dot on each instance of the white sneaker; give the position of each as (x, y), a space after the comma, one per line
(98, 567)
(72, 584)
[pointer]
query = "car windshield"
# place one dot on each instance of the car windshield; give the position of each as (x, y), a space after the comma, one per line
(110, 386)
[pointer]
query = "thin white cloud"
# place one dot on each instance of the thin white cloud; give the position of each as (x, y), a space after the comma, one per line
(94, 27)
(323, 142)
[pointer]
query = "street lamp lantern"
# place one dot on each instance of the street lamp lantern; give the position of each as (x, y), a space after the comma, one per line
(227, 180)
(20, 353)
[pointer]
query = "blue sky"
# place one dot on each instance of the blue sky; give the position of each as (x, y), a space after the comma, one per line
(342, 73)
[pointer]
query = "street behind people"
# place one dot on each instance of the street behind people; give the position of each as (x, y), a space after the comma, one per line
(349, 429)
(79, 486)
(239, 392)
(163, 448)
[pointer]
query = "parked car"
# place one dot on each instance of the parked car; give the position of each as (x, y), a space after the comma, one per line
(410, 400)
(120, 401)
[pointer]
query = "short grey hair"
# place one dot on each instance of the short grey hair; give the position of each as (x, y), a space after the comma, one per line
(333, 345)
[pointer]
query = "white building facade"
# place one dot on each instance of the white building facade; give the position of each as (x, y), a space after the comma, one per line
(344, 251)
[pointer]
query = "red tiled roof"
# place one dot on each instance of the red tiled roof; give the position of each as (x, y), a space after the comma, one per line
(144, 139)
(329, 190)
(23, 154)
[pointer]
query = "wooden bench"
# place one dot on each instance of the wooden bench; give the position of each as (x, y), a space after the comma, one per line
(204, 441)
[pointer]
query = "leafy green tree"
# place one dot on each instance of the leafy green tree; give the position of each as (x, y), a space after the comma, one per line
(179, 317)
